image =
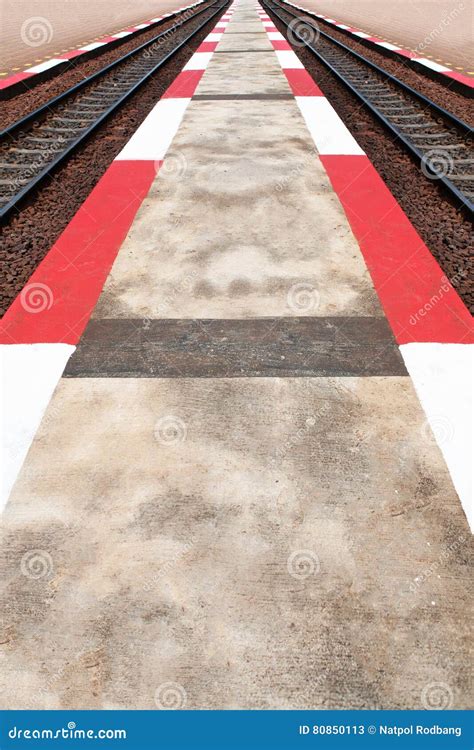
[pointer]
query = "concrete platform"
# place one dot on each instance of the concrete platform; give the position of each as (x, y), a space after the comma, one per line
(257, 216)
(245, 545)
(250, 41)
(234, 488)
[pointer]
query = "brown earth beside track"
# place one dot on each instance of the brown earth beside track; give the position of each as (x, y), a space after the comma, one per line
(439, 93)
(13, 109)
(31, 32)
(437, 29)
(445, 231)
(29, 235)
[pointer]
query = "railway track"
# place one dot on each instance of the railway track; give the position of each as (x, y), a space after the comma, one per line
(34, 145)
(440, 141)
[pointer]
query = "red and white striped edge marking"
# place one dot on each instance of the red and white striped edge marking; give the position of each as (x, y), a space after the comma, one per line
(442, 375)
(39, 331)
(404, 272)
(429, 320)
(23, 75)
(29, 374)
(414, 56)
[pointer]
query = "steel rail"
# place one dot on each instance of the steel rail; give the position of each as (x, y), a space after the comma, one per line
(39, 115)
(464, 130)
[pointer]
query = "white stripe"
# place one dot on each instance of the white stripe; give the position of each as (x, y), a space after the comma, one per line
(430, 64)
(362, 34)
(142, 26)
(328, 132)
(93, 45)
(275, 35)
(29, 375)
(213, 37)
(443, 375)
(121, 34)
(288, 60)
(152, 139)
(199, 61)
(45, 65)
(387, 45)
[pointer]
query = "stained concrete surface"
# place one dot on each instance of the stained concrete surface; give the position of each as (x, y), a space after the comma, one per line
(253, 41)
(234, 224)
(262, 347)
(256, 542)
(260, 551)
(244, 73)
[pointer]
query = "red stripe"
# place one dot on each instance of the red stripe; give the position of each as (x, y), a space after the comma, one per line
(16, 78)
(76, 267)
(207, 47)
(280, 44)
(461, 78)
(420, 304)
(184, 85)
(301, 83)
(407, 53)
(72, 54)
